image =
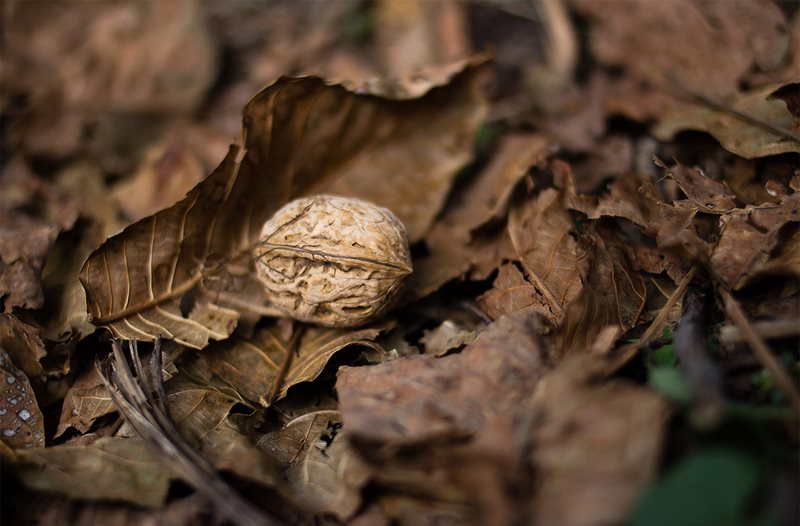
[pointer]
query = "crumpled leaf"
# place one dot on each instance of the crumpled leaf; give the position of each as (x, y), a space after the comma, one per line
(105, 77)
(23, 343)
(447, 337)
(171, 273)
(21, 421)
(86, 401)
(324, 473)
(737, 135)
(720, 41)
(421, 398)
(510, 292)
(121, 469)
(24, 252)
(595, 446)
(248, 368)
(748, 237)
(201, 414)
(707, 195)
(453, 244)
(540, 232)
(614, 293)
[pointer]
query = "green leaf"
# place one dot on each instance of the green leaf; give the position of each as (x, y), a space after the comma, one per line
(670, 382)
(710, 487)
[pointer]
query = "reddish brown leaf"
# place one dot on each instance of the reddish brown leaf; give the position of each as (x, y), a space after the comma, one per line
(540, 231)
(420, 398)
(21, 421)
(595, 446)
(748, 237)
(510, 292)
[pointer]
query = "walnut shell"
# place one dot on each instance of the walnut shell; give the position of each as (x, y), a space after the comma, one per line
(332, 261)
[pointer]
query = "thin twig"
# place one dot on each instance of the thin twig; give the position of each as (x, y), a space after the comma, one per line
(146, 412)
(626, 352)
(760, 349)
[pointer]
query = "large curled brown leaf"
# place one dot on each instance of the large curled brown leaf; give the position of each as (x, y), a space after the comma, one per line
(171, 274)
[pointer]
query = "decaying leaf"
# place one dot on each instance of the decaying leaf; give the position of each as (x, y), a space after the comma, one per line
(453, 245)
(21, 421)
(164, 274)
(595, 447)
(716, 40)
(248, 368)
(736, 134)
(324, 473)
(554, 263)
(23, 343)
(121, 469)
(614, 294)
(447, 337)
(421, 398)
(86, 401)
(748, 237)
(201, 415)
(510, 292)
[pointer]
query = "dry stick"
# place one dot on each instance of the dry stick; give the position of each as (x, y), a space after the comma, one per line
(703, 376)
(143, 412)
(760, 349)
(627, 352)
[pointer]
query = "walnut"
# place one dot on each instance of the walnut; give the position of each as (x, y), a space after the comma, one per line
(332, 261)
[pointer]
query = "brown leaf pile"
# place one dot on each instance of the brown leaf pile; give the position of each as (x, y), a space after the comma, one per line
(560, 196)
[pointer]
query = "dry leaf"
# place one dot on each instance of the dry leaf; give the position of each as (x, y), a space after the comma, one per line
(23, 343)
(201, 414)
(421, 398)
(325, 475)
(163, 275)
(748, 237)
(86, 401)
(510, 292)
(21, 421)
(719, 41)
(121, 469)
(166, 173)
(595, 446)
(454, 245)
(447, 337)
(248, 368)
(707, 195)
(735, 134)
(613, 293)
(540, 232)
